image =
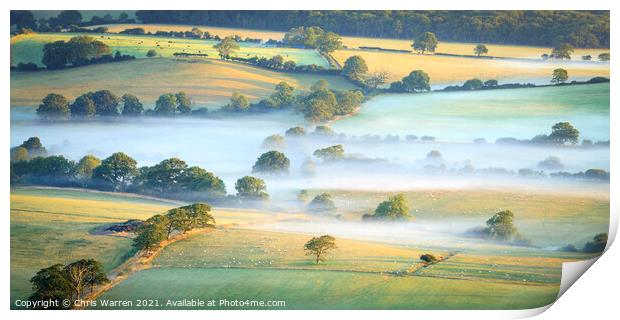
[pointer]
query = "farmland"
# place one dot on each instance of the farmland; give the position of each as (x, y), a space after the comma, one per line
(209, 83)
(29, 48)
(456, 70)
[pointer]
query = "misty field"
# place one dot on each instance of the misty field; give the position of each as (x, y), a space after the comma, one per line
(209, 83)
(456, 70)
(29, 48)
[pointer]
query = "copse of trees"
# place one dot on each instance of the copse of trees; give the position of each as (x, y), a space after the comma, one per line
(323, 104)
(271, 162)
(562, 51)
(29, 149)
(283, 96)
(313, 37)
(598, 244)
(295, 132)
(251, 189)
(416, 81)
(396, 208)
(116, 172)
(425, 42)
(69, 282)
(322, 203)
(330, 154)
(78, 51)
(53, 106)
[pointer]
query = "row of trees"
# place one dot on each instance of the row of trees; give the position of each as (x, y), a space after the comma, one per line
(313, 37)
(78, 51)
(106, 103)
(66, 19)
(543, 28)
(161, 227)
(171, 178)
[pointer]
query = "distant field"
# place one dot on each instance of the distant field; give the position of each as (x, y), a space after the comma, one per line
(29, 48)
(497, 50)
(209, 83)
(51, 226)
(302, 289)
(456, 70)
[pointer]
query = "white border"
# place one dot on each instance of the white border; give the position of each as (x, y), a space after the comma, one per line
(594, 297)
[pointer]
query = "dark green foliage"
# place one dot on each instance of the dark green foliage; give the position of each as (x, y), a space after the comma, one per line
(23, 19)
(184, 104)
(562, 51)
(251, 189)
(53, 106)
(320, 247)
(559, 76)
(473, 84)
(332, 153)
(428, 258)
(481, 49)
(313, 37)
(501, 226)
(491, 83)
(322, 203)
(106, 103)
(416, 81)
(563, 132)
(295, 132)
(166, 104)
(116, 171)
(539, 27)
(425, 42)
(238, 102)
(199, 215)
(395, 208)
(226, 47)
(85, 167)
(271, 162)
(348, 101)
(151, 53)
(34, 147)
(604, 56)
(131, 105)
(355, 68)
(76, 52)
(83, 106)
(151, 233)
(318, 106)
(597, 244)
(569, 248)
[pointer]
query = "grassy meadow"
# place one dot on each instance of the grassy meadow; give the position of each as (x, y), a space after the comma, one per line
(51, 226)
(209, 82)
(29, 48)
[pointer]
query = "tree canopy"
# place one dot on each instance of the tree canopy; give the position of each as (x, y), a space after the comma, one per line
(226, 47)
(251, 189)
(395, 208)
(53, 106)
(481, 49)
(425, 42)
(271, 162)
(322, 203)
(559, 76)
(320, 247)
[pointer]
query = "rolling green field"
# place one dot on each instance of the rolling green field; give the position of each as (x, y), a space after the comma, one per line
(29, 48)
(208, 82)
(50, 226)
(321, 289)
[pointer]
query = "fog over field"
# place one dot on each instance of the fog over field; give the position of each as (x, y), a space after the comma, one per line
(229, 146)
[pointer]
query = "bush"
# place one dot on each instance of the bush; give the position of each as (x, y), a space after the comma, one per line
(151, 53)
(428, 258)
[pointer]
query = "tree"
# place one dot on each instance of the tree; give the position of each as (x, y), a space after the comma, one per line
(82, 273)
(86, 166)
(272, 162)
(151, 233)
(53, 106)
(166, 104)
(51, 284)
(598, 243)
(34, 147)
(184, 103)
(491, 83)
(67, 18)
(551, 163)
(199, 215)
(501, 226)
(562, 51)
(473, 84)
(433, 154)
(23, 19)
(329, 43)
(202, 183)
(177, 220)
(376, 79)
(19, 154)
(238, 102)
(333, 153)
(251, 189)
(283, 95)
(322, 203)
(428, 258)
(117, 170)
(295, 132)
(416, 81)
(319, 105)
(604, 56)
(348, 101)
(563, 132)
(395, 208)
(320, 247)
(131, 105)
(226, 47)
(164, 177)
(106, 103)
(83, 106)
(355, 68)
(559, 76)
(480, 49)
(586, 57)
(425, 42)
(151, 53)
(274, 141)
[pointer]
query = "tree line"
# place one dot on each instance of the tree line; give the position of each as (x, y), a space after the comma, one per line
(78, 51)
(171, 178)
(524, 27)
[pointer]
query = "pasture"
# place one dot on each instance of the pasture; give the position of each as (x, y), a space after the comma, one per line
(50, 226)
(209, 83)
(29, 48)
(456, 70)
